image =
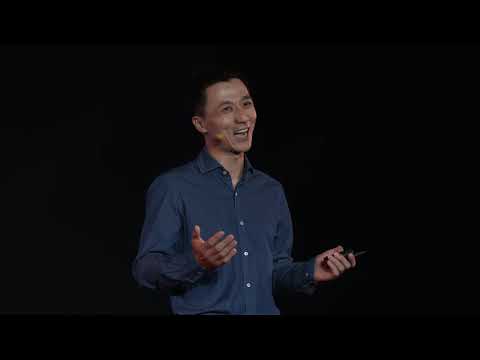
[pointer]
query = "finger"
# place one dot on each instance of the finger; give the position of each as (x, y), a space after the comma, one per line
(332, 251)
(215, 238)
(332, 267)
(226, 250)
(214, 251)
(352, 260)
(337, 263)
(343, 260)
(225, 242)
(326, 255)
(229, 256)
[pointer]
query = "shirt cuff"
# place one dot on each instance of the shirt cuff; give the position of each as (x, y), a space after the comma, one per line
(309, 285)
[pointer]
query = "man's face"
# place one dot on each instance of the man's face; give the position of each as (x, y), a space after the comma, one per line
(229, 116)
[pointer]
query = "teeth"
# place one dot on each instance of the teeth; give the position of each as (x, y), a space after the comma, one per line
(241, 131)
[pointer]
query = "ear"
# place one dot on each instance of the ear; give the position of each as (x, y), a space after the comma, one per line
(198, 122)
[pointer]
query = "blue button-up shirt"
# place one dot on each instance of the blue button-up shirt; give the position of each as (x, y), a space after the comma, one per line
(255, 212)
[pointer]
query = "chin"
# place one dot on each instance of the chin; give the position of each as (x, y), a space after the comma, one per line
(242, 149)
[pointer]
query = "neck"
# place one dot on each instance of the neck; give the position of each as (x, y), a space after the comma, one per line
(232, 162)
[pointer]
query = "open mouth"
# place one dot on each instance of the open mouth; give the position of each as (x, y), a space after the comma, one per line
(242, 133)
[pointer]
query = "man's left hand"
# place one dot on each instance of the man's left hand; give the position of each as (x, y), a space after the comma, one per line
(336, 264)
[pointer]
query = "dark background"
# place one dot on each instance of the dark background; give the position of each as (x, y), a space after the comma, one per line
(373, 142)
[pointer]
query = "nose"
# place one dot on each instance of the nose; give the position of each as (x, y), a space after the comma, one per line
(242, 116)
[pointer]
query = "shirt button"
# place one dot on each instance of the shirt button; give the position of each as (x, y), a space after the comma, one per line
(248, 284)
(241, 223)
(245, 253)
(236, 193)
(224, 172)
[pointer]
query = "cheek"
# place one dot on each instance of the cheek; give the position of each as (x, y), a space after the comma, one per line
(253, 122)
(218, 123)
(228, 121)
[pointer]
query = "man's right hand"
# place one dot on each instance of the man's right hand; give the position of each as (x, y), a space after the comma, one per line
(214, 252)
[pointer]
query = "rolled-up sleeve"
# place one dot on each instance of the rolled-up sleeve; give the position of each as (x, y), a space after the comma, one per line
(289, 275)
(163, 262)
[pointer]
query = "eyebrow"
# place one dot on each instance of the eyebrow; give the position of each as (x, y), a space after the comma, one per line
(227, 102)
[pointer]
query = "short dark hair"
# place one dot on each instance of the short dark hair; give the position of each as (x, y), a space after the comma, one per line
(204, 78)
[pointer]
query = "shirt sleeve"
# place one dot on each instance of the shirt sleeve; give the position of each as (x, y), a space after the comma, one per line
(289, 275)
(163, 262)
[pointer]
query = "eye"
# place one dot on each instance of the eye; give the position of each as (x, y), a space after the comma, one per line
(248, 103)
(227, 109)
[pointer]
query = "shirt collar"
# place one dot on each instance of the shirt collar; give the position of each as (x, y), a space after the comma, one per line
(207, 163)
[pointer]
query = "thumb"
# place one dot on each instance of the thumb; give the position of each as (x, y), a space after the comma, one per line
(331, 251)
(196, 233)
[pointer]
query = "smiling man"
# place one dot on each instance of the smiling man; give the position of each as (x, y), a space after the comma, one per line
(218, 234)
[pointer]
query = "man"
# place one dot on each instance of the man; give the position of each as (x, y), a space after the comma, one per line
(218, 233)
